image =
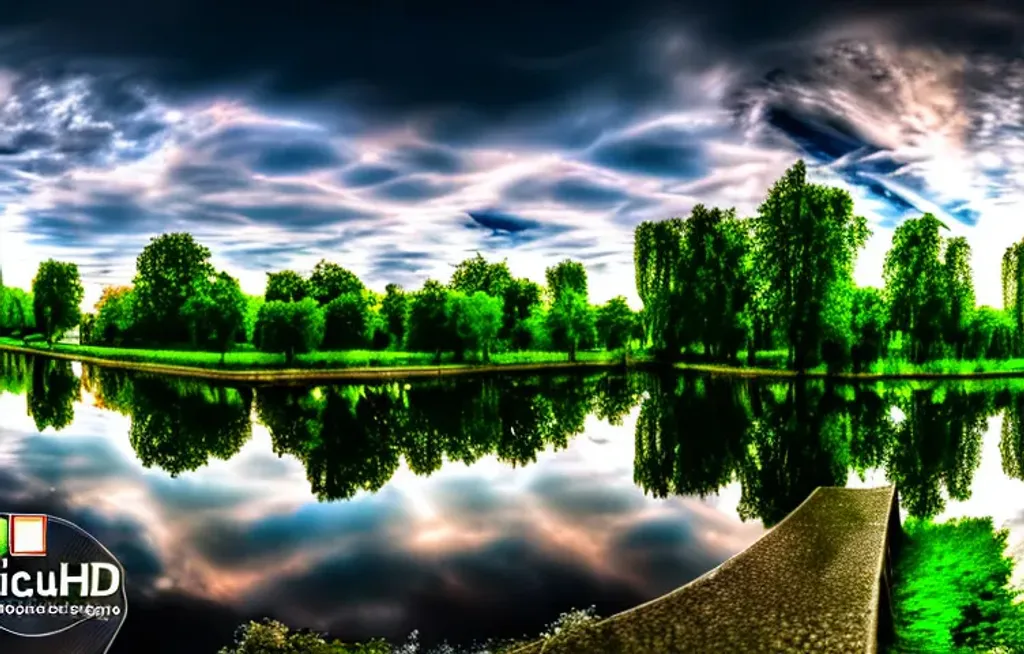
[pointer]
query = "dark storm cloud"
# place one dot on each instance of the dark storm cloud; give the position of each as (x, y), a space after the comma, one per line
(292, 215)
(501, 222)
(395, 265)
(575, 496)
(101, 214)
(367, 175)
(272, 149)
(488, 57)
(576, 192)
(413, 189)
(209, 178)
(658, 152)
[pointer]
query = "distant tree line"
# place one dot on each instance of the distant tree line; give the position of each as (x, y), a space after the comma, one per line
(178, 299)
(717, 287)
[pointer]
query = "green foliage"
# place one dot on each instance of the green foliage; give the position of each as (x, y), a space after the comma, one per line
(286, 286)
(615, 323)
(216, 312)
(272, 637)
(394, 311)
(329, 281)
(428, 319)
(252, 312)
(915, 286)
(566, 276)
(868, 317)
(57, 295)
(570, 322)
(1013, 291)
(115, 316)
(522, 299)
(475, 321)
(958, 283)
(167, 271)
(17, 311)
(477, 275)
(951, 589)
(290, 327)
(806, 238)
(52, 394)
(347, 322)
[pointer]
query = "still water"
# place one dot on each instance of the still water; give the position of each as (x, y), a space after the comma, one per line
(465, 508)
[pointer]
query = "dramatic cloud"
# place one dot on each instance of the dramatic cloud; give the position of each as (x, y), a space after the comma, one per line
(352, 133)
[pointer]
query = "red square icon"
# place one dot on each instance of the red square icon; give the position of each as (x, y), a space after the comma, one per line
(28, 535)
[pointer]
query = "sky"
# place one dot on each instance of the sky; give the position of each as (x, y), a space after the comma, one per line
(398, 139)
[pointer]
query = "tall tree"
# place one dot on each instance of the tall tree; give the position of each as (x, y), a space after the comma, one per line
(329, 281)
(475, 320)
(806, 239)
(658, 259)
(216, 313)
(168, 270)
(477, 274)
(566, 276)
(571, 321)
(914, 286)
(959, 291)
(286, 286)
(394, 310)
(428, 320)
(57, 291)
(290, 327)
(615, 323)
(1013, 291)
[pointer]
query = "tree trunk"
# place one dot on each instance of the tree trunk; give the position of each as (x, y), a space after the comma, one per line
(572, 352)
(223, 355)
(289, 356)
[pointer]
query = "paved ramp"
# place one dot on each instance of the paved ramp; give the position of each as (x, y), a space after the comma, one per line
(817, 582)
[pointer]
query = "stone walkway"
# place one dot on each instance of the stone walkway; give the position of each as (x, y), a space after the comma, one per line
(811, 584)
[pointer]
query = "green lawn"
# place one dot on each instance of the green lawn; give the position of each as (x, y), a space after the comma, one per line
(249, 359)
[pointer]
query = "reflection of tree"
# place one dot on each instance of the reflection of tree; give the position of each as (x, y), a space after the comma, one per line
(938, 444)
(53, 393)
(799, 440)
(617, 394)
(690, 435)
(1011, 439)
(178, 425)
(14, 373)
(350, 438)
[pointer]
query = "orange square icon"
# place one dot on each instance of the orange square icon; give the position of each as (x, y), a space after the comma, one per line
(28, 535)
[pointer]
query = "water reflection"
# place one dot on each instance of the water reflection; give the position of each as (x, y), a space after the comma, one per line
(439, 504)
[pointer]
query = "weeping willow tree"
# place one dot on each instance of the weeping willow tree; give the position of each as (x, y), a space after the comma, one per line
(1013, 290)
(657, 255)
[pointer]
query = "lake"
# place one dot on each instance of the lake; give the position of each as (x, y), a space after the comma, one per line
(466, 508)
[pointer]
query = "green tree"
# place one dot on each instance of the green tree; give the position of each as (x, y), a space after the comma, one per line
(1013, 291)
(428, 319)
(394, 310)
(615, 323)
(915, 288)
(286, 286)
(869, 317)
(169, 268)
(479, 275)
(115, 315)
(272, 637)
(958, 283)
(329, 281)
(566, 276)
(290, 327)
(17, 312)
(252, 312)
(475, 320)
(659, 262)
(521, 300)
(990, 334)
(570, 321)
(216, 313)
(347, 322)
(57, 292)
(806, 238)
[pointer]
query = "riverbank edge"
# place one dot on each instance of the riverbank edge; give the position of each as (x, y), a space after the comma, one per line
(304, 375)
(371, 373)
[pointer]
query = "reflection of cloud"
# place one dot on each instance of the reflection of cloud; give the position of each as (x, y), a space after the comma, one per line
(426, 553)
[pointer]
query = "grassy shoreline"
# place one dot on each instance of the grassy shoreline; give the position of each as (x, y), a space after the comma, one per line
(256, 367)
(259, 367)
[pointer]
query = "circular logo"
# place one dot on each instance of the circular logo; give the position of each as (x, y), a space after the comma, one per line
(61, 590)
